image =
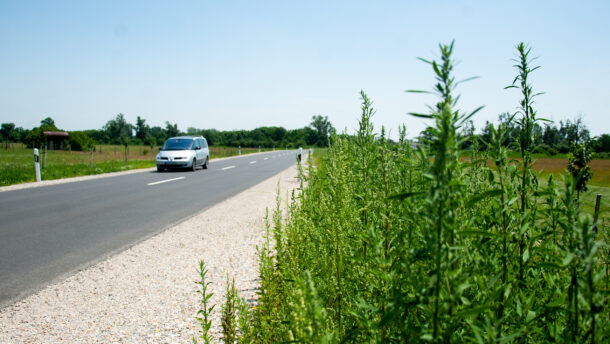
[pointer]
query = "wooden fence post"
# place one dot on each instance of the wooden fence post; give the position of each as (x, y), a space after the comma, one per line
(598, 201)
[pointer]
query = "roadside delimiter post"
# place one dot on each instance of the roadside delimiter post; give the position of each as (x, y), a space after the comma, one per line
(37, 164)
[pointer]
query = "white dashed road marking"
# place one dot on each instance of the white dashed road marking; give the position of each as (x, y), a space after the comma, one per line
(228, 167)
(253, 162)
(165, 181)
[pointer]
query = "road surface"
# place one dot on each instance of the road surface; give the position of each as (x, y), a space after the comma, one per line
(47, 233)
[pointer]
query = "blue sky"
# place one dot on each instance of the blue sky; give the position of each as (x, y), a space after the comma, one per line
(244, 64)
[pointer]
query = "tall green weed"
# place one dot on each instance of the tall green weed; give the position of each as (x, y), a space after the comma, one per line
(390, 243)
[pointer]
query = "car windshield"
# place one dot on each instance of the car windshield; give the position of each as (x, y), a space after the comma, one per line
(177, 144)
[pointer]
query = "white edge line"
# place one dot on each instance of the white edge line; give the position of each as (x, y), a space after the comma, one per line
(165, 181)
(228, 167)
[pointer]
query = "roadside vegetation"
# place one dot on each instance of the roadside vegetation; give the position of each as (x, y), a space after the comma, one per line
(387, 243)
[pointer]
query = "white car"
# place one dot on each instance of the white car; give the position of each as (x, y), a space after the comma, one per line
(184, 152)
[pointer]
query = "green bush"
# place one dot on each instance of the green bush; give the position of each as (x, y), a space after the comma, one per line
(80, 141)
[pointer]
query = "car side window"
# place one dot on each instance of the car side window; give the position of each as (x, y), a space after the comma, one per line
(204, 143)
(196, 145)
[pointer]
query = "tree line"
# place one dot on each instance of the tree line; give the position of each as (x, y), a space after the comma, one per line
(549, 138)
(119, 131)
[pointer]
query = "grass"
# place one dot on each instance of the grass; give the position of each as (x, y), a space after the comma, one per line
(16, 161)
(599, 184)
(557, 166)
(318, 155)
(587, 201)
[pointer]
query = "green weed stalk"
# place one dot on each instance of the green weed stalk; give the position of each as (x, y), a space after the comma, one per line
(206, 308)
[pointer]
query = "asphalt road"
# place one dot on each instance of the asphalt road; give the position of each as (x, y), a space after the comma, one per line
(48, 233)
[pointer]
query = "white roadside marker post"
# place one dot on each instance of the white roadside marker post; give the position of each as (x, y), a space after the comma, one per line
(37, 164)
(239, 150)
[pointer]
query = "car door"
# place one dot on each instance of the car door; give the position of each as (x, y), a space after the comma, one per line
(200, 155)
(204, 148)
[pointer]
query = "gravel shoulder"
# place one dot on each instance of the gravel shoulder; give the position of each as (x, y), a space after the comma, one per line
(147, 293)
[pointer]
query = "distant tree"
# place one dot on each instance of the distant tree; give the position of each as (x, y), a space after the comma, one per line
(537, 133)
(7, 131)
(142, 129)
(193, 131)
(602, 143)
(505, 119)
(118, 130)
(573, 132)
(158, 134)
(426, 136)
(33, 138)
(48, 124)
(323, 127)
(213, 136)
(485, 135)
(310, 136)
(98, 135)
(36, 137)
(171, 129)
(551, 136)
(18, 134)
(278, 134)
(467, 134)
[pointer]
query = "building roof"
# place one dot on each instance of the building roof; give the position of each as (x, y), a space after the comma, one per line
(56, 133)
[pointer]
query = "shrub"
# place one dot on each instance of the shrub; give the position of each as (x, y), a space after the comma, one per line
(80, 141)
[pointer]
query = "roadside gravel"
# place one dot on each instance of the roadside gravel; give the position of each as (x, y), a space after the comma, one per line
(147, 293)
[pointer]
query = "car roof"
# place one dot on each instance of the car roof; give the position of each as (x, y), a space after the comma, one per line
(186, 137)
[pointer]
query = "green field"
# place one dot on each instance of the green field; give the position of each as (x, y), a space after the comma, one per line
(599, 184)
(17, 161)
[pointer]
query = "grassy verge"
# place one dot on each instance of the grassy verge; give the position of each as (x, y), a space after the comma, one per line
(318, 156)
(17, 161)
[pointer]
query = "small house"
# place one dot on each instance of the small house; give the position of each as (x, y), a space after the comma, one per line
(55, 139)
